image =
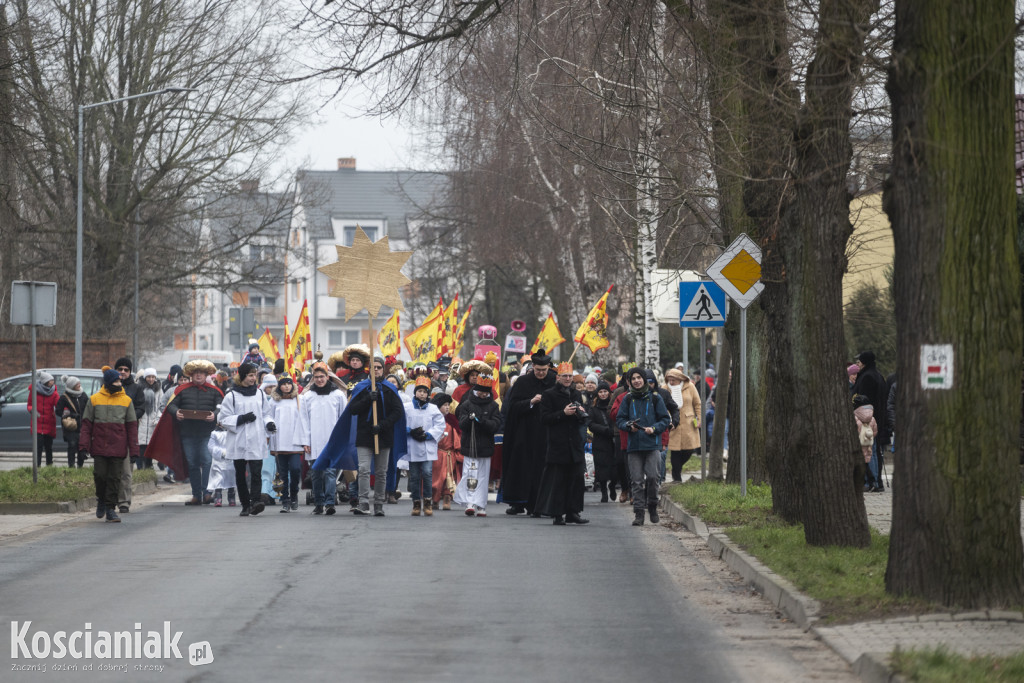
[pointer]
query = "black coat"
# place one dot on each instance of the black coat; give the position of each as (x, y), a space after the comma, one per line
(389, 411)
(525, 442)
(480, 431)
(565, 440)
(870, 383)
(75, 405)
(605, 435)
(134, 391)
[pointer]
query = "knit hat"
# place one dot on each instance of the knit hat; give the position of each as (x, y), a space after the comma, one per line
(42, 376)
(269, 381)
(591, 378)
(853, 369)
(123, 362)
(633, 371)
(254, 345)
(866, 357)
(71, 383)
(110, 376)
(149, 372)
(603, 385)
(175, 372)
(285, 379)
(439, 399)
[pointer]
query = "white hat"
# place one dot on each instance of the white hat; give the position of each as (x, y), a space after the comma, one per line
(149, 372)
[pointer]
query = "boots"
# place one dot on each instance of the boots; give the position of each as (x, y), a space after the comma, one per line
(604, 492)
(652, 509)
(612, 494)
(638, 518)
(447, 504)
(428, 507)
(378, 510)
(415, 508)
(622, 496)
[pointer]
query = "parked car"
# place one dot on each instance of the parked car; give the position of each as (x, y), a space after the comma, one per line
(16, 421)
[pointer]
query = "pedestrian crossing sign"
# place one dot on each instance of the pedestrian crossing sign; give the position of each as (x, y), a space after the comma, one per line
(701, 304)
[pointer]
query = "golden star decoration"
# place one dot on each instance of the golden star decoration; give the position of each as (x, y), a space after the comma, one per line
(367, 275)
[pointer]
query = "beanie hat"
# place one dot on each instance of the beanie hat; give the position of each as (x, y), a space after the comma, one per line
(254, 345)
(439, 399)
(175, 372)
(853, 369)
(269, 381)
(603, 385)
(42, 376)
(110, 376)
(71, 383)
(149, 372)
(591, 378)
(123, 362)
(285, 379)
(866, 357)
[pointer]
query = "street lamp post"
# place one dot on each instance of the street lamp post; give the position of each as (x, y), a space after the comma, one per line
(78, 237)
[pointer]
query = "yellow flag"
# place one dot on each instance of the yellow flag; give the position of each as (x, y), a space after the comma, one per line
(300, 351)
(268, 346)
(422, 342)
(593, 333)
(460, 333)
(389, 336)
(447, 327)
(549, 336)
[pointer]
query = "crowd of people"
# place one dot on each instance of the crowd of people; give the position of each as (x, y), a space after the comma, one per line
(256, 437)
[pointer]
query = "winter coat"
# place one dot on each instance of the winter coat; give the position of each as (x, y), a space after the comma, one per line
(865, 416)
(525, 439)
(429, 417)
(194, 396)
(603, 442)
(870, 383)
(686, 436)
(247, 441)
(480, 431)
(291, 435)
(46, 422)
(109, 426)
(320, 412)
(75, 407)
(565, 442)
(134, 391)
(151, 397)
(647, 410)
(389, 411)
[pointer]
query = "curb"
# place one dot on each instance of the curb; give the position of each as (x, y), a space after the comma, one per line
(802, 610)
(68, 506)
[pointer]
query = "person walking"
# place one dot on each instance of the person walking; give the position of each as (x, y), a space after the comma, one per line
(109, 434)
(604, 434)
(448, 469)
(425, 426)
(245, 414)
(323, 402)
(390, 424)
(871, 383)
(479, 419)
(44, 399)
(194, 408)
(684, 439)
(643, 416)
(561, 489)
(70, 408)
(132, 390)
(151, 395)
(289, 441)
(525, 437)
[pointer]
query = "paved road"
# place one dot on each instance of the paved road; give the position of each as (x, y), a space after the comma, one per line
(400, 598)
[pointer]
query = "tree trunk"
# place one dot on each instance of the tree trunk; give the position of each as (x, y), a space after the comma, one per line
(956, 505)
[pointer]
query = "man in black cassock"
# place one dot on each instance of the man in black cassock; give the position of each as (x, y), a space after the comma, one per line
(525, 441)
(561, 485)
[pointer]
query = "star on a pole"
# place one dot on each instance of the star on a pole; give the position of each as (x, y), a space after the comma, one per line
(367, 275)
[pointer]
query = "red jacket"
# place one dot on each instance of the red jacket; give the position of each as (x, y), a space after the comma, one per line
(46, 423)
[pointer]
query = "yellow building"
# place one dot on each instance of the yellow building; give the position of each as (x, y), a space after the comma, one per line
(870, 250)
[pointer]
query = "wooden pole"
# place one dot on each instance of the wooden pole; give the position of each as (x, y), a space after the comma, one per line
(373, 385)
(573, 354)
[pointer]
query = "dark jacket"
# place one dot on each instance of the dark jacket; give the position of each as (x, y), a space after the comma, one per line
(133, 390)
(525, 439)
(75, 405)
(195, 397)
(603, 443)
(870, 383)
(647, 410)
(389, 411)
(480, 431)
(565, 441)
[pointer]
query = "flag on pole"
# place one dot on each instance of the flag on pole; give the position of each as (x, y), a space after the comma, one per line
(549, 336)
(460, 332)
(287, 348)
(300, 352)
(268, 346)
(422, 342)
(593, 333)
(447, 326)
(389, 336)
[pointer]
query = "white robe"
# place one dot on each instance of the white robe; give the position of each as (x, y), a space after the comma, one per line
(320, 412)
(476, 473)
(248, 441)
(291, 435)
(222, 470)
(430, 418)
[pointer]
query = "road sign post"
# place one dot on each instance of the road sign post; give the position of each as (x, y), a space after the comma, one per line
(701, 305)
(33, 304)
(738, 272)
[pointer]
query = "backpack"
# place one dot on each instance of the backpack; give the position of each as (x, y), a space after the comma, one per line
(867, 437)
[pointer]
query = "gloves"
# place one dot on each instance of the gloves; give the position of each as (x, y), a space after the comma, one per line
(246, 418)
(271, 427)
(418, 434)
(374, 394)
(375, 429)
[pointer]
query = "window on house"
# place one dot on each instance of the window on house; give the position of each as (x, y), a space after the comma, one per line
(350, 234)
(339, 339)
(296, 290)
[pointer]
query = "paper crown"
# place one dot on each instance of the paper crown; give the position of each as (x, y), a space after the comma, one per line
(423, 382)
(565, 369)
(485, 382)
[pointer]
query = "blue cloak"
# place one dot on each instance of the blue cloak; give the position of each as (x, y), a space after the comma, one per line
(340, 451)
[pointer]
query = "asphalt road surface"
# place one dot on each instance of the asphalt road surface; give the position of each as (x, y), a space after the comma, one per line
(292, 596)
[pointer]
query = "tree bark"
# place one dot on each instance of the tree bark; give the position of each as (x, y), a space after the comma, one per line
(956, 505)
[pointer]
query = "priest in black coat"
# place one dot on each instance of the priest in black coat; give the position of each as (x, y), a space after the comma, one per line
(525, 440)
(561, 487)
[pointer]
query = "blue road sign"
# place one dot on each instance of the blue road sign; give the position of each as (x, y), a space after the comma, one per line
(701, 304)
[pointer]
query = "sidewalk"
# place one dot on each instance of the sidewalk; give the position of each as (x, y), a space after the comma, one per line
(866, 646)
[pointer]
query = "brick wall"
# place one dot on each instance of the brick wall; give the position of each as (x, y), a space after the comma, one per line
(58, 353)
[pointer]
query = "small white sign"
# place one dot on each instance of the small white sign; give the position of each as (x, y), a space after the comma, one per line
(936, 366)
(515, 343)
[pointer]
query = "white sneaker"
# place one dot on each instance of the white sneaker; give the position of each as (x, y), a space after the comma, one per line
(481, 513)
(470, 511)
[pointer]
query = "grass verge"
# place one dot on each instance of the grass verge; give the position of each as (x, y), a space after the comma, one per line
(848, 582)
(941, 666)
(56, 484)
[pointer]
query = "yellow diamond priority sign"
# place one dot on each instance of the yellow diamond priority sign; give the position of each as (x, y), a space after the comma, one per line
(738, 271)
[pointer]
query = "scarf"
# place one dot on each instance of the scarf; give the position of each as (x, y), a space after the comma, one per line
(244, 390)
(46, 390)
(322, 391)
